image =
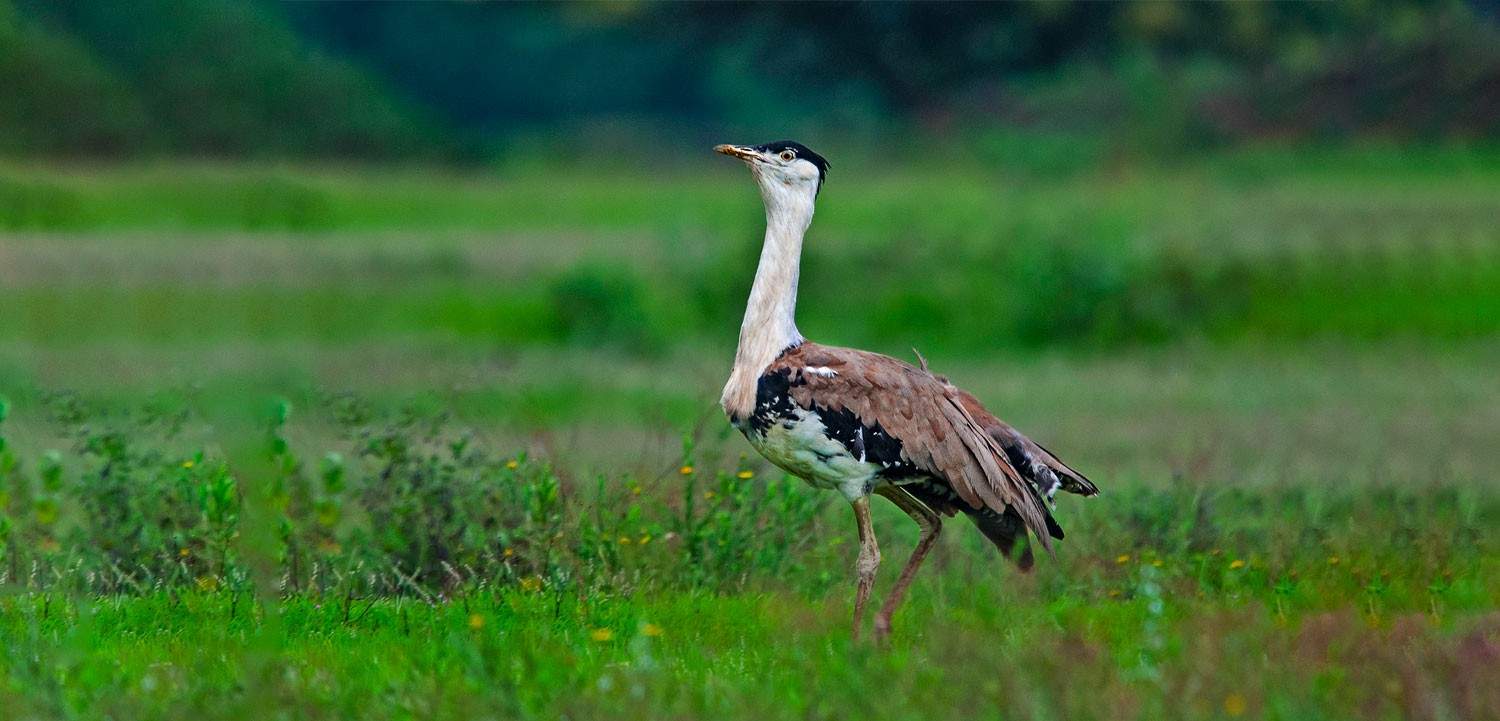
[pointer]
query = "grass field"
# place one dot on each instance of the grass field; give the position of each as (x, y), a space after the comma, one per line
(319, 443)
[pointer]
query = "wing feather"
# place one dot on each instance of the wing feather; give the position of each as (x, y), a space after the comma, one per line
(1013, 492)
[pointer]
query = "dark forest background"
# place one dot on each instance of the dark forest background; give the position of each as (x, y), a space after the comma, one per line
(474, 82)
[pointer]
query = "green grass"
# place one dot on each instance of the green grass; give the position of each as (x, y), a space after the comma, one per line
(983, 649)
(287, 442)
(1311, 537)
(412, 573)
(1283, 601)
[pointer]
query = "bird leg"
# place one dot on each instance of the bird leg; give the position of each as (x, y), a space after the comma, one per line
(931, 524)
(869, 560)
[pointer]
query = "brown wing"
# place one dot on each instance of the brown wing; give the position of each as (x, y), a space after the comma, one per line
(938, 431)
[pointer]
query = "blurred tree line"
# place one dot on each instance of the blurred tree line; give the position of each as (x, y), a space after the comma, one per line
(470, 81)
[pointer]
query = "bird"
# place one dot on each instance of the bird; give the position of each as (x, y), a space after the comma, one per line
(862, 423)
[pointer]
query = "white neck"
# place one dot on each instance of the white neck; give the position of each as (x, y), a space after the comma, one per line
(770, 325)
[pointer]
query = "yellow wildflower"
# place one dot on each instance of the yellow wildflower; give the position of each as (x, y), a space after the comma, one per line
(183, 553)
(1157, 563)
(686, 470)
(635, 490)
(745, 475)
(1234, 704)
(624, 540)
(1122, 559)
(601, 634)
(651, 629)
(188, 463)
(508, 552)
(645, 539)
(531, 584)
(476, 621)
(512, 464)
(1236, 564)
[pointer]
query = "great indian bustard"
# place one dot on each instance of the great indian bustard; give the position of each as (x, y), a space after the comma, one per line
(863, 423)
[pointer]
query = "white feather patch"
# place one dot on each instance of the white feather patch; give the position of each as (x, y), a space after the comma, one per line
(800, 444)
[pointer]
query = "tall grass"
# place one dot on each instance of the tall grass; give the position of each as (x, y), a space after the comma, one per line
(417, 573)
(411, 504)
(407, 505)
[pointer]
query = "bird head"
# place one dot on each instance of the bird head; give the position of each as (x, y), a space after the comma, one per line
(782, 167)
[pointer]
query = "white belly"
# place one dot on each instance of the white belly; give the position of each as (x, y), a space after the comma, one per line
(800, 444)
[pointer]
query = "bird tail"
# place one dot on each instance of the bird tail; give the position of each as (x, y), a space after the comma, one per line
(1038, 465)
(1042, 468)
(1062, 474)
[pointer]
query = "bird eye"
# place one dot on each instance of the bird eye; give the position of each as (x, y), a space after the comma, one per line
(788, 156)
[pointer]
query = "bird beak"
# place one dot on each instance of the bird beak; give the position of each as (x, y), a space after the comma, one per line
(737, 151)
